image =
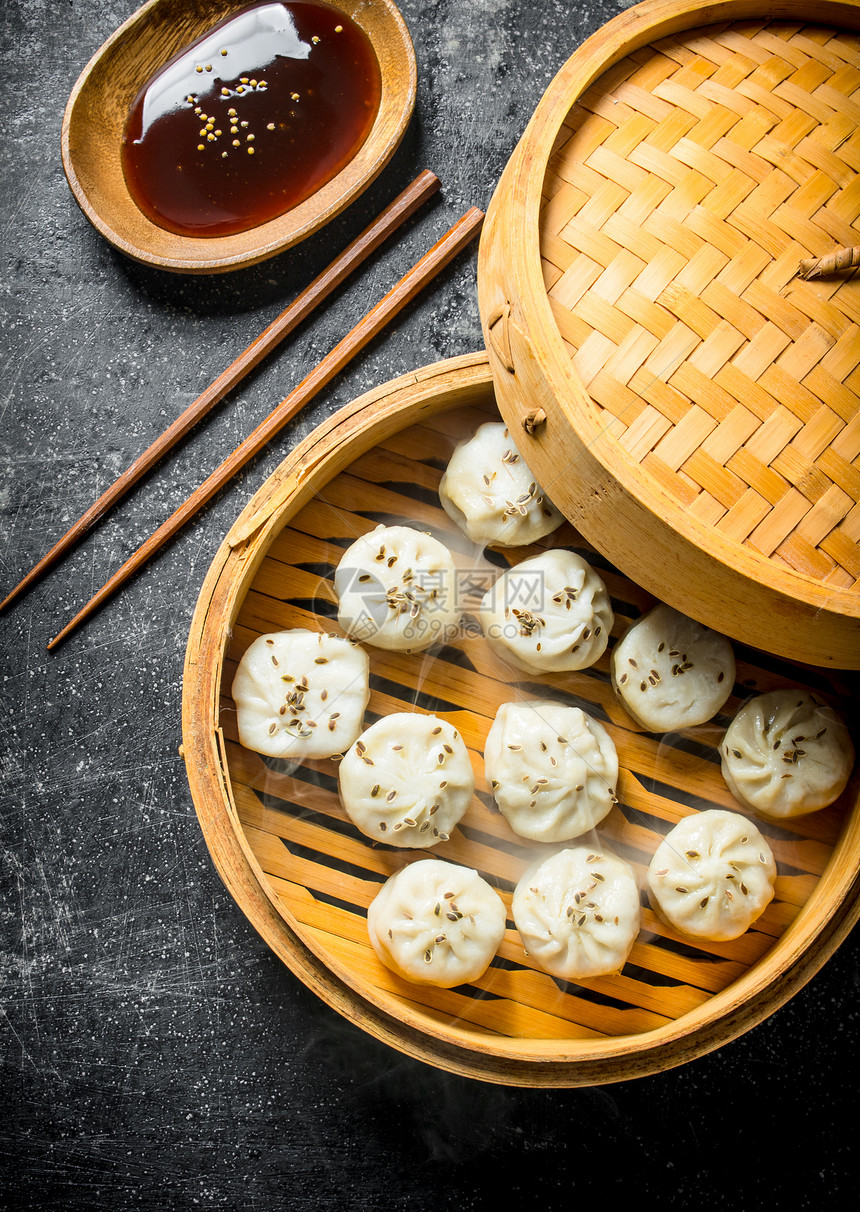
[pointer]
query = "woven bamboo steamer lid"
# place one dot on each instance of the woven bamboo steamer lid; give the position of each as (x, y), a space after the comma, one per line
(683, 394)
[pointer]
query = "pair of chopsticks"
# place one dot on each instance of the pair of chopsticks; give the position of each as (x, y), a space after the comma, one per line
(403, 206)
(400, 295)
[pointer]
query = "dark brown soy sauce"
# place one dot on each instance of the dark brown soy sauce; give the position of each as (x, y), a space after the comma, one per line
(251, 119)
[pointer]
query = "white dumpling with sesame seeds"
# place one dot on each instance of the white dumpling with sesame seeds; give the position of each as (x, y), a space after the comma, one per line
(670, 672)
(552, 769)
(436, 923)
(407, 780)
(712, 876)
(301, 694)
(786, 753)
(397, 589)
(491, 494)
(548, 614)
(578, 912)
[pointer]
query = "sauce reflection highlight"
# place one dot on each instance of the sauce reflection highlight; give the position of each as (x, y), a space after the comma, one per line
(251, 119)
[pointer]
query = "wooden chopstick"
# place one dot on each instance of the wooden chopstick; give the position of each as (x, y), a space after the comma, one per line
(401, 294)
(386, 223)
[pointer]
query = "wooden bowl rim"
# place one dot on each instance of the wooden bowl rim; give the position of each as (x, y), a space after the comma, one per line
(826, 919)
(195, 254)
(632, 29)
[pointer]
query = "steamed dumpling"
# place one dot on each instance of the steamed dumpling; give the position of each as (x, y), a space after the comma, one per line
(301, 694)
(712, 875)
(436, 923)
(407, 780)
(548, 614)
(552, 769)
(670, 672)
(488, 490)
(578, 912)
(397, 589)
(786, 753)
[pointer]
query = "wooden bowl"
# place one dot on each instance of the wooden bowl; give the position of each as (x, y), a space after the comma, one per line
(304, 876)
(697, 402)
(99, 105)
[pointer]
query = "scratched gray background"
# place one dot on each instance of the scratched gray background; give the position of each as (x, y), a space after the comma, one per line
(156, 1055)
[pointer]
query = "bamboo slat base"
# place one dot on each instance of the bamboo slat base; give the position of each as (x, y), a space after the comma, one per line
(305, 875)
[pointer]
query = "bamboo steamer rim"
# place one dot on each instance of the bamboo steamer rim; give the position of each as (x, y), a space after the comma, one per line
(825, 920)
(518, 201)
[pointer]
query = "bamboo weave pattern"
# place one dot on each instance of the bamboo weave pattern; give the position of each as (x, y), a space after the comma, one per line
(684, 188)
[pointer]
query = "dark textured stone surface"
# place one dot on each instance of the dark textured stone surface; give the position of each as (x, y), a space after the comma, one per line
(156, 1054)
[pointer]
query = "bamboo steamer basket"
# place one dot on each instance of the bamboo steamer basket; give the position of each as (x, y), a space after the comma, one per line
(304, 876)
(687, 399)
